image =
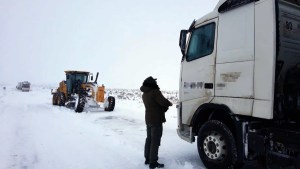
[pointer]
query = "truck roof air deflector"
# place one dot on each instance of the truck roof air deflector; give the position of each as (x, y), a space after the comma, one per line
(231, 4)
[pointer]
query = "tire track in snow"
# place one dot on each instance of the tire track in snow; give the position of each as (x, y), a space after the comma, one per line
(24, 148)
(19, 147)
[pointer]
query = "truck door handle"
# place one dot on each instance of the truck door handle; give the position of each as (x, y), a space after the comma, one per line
(208, 85)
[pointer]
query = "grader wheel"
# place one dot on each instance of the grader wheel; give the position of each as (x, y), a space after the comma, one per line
(80, 103)
(61, 99)
(54, 99)
(110, 104)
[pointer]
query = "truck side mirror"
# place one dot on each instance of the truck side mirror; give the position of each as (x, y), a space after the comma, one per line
(92, 78)
(182, 40)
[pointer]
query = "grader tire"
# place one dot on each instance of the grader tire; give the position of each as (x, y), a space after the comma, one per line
(80, 103)
(54, 99)
(61, 99)
(111, 104)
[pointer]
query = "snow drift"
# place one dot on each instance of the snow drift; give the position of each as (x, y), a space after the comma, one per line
(37, 135)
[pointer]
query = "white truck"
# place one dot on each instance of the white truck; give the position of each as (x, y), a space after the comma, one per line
(240, 84)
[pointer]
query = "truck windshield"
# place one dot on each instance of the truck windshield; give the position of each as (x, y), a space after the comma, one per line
(201, 42)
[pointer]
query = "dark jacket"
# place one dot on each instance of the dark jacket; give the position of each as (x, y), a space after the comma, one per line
(155, 104)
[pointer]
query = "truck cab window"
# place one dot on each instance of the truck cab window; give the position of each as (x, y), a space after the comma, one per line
(201, 42)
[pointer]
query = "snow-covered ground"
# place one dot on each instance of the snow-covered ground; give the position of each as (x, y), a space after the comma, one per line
(36, 135)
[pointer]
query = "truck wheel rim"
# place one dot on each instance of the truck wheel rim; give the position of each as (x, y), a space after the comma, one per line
(214, 146)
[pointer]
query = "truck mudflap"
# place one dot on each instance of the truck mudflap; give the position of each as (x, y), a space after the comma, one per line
(186, 134)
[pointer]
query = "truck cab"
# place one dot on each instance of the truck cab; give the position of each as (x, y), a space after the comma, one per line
(240, 83)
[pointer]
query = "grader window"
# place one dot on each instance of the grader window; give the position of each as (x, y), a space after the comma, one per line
(81, 77)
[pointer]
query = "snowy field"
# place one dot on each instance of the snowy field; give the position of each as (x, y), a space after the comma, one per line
(37, 135)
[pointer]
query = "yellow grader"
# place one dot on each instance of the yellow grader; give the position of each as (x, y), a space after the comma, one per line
(79, 91)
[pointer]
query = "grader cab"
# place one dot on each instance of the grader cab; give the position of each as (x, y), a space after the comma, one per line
(79, 91)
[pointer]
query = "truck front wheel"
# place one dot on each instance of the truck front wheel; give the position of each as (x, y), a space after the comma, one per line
(216, 145)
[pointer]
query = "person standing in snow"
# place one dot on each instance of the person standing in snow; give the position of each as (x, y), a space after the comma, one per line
(156, 105)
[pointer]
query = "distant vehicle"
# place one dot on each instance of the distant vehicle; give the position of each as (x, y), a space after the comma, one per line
(24, 86)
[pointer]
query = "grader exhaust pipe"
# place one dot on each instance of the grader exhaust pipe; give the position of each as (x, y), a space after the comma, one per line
(96, 77)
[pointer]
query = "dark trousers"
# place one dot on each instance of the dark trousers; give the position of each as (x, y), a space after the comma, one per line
(154, 133)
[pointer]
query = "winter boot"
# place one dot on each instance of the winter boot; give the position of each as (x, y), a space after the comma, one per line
(156, 165)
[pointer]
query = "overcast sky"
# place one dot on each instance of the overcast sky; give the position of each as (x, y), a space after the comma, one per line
(125, 41)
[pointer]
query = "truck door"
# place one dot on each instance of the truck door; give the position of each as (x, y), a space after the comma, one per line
(198, 67)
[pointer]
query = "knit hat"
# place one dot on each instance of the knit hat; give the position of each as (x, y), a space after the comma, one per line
(149, 81)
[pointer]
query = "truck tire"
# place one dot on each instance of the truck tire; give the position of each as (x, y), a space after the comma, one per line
(110, 104)
(54, 99)
(61, 99)
(80, 102)
(216, 145)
